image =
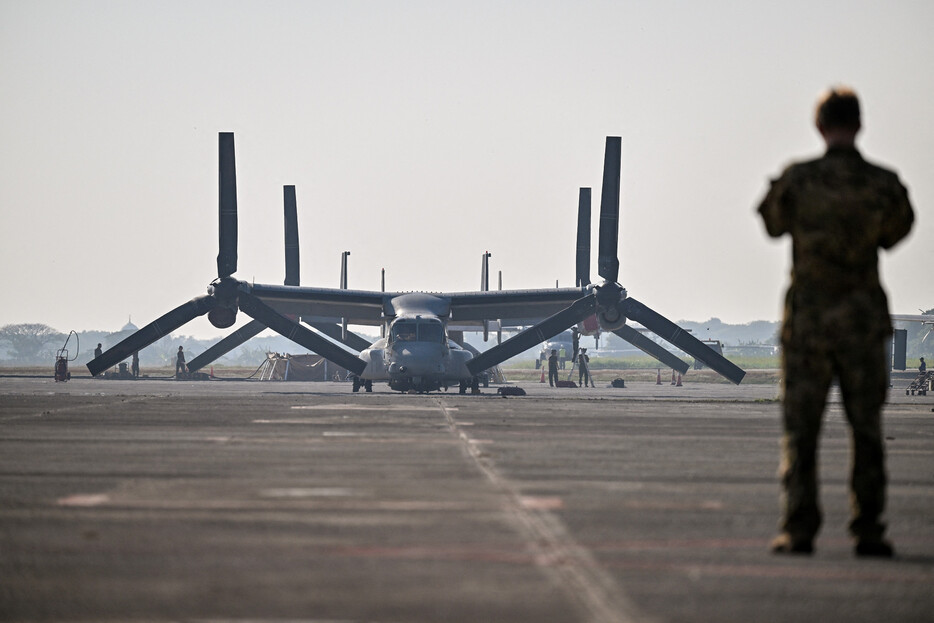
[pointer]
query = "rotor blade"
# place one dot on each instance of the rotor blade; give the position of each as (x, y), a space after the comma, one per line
(227, 206)
(651, 348)
(668, 330)
(583, 238)
(235, 339)
(158, 328)
(608, 260)
(257, 309)
(334, 331)
(544, 330)
(291, 237)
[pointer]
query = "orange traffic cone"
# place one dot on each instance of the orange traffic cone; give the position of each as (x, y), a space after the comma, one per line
(543, 375)
(212, 372)
(658, 378)
(678, 384)
(672, 376)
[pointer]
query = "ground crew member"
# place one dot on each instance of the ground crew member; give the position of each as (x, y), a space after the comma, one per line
(923, 368)
(583, 366)
(98, 351)
(839, 210)
(134, 365)
(562, 357)
(553, 368)
(180, 361)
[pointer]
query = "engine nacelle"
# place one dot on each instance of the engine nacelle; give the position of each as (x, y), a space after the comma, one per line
(611, 318)
(610, 315)
(224, 314)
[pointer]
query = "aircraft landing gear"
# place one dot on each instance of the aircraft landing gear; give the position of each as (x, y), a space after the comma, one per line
(474, 384)
(368, 386)
(356, 384)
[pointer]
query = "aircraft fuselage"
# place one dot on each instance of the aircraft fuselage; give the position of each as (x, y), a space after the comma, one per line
(417, 355)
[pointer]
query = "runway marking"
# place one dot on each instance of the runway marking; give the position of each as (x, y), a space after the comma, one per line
(314, 492)
(538, 503)
(359, 407)
(84, 499)
(553, 549)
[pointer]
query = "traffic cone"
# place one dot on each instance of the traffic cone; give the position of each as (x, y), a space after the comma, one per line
(543, 375)
(679, 380)
(658, 379)
(672, 376)
(212, 372)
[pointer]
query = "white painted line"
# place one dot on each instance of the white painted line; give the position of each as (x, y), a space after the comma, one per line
(359, 407)
(313, 492)
(84, 499)
(572, 566)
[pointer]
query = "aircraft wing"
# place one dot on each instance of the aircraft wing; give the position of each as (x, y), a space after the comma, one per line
(364, 307)
(361, 307)
(922, 318)
(511, 307)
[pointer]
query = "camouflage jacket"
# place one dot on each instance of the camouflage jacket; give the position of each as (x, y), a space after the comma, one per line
(839, 210)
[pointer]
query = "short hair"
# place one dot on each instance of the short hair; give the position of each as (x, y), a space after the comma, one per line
(838, 108)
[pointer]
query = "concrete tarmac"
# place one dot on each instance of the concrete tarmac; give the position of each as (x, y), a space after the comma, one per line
(251, 501)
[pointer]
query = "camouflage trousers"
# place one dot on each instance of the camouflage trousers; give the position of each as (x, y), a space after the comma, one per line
(810, 363)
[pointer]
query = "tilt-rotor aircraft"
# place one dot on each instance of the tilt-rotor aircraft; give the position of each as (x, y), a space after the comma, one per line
(416, 353)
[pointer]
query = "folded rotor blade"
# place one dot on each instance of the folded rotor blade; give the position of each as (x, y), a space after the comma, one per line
(235, 339)
(668, 330)
(651, 348)
(291, 237)
(608, 260)
(583, 238)
(544, 330)
(259, 310)
(157, 329)
(335, 331)
(227, 206)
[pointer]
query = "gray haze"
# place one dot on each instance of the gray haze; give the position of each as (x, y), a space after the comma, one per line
(421, 134)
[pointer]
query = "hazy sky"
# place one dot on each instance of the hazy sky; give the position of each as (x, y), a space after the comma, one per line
(421, 134)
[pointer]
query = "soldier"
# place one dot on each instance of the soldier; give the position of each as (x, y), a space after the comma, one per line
(838, 209)
(583, 364)
(98, 351)
(553, 368)
(923, 368)
(179, 361)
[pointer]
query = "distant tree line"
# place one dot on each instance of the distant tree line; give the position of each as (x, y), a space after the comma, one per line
(33, 344)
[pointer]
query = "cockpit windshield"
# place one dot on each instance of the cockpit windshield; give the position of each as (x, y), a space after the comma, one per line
(417, 331)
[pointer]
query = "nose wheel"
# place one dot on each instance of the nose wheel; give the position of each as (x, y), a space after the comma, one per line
(367, 384)
(473, 383)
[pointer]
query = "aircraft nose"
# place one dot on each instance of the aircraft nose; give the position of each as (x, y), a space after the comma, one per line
(417, 361)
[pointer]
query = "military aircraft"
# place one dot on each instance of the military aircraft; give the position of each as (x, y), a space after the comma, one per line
(416, 352)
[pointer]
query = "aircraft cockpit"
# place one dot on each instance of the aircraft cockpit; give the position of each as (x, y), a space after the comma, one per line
(417, 329)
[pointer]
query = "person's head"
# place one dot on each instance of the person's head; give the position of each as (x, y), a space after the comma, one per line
(583, 350)
(837, 116)
(179, 348)
(554, 351)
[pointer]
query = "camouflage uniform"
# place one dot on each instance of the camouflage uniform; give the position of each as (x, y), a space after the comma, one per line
(838, 209)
